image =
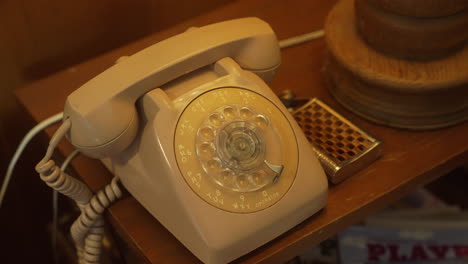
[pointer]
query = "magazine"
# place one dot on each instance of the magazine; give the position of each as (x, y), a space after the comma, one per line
(362, 244)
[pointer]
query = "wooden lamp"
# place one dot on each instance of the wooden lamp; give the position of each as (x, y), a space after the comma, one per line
(401, 63)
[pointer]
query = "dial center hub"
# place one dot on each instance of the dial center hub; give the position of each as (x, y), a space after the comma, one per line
(240, 145)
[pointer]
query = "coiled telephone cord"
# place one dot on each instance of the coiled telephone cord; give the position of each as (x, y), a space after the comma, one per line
(91, 223)
(88, 230)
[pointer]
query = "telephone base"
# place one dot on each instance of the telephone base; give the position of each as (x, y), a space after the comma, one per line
(217, 225)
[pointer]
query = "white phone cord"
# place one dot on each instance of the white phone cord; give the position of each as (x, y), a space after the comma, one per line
(24, 142)
(90, 224)
(88, 230)
(296, 40)
(63, 168)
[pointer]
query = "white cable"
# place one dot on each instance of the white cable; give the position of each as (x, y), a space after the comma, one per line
(90, 224)
(62, 182)
(88, 230)
(286, 43)
(57, 179)
(69, 158)
(63, 168)
(33, 132)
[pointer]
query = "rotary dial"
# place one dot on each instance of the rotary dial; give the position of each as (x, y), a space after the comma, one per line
(231, 147)
(236, 149)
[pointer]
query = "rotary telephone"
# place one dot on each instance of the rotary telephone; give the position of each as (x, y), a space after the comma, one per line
(199, 139)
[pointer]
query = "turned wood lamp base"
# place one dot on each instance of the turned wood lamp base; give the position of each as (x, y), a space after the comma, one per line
(417, 95)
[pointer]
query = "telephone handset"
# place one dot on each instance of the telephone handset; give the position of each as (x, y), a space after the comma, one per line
(199, 139)
(103, 110)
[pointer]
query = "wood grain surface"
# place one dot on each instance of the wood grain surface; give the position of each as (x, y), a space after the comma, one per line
(391, 91)
(375, 67)
(423, 8)
(410, 159)
(411, 37)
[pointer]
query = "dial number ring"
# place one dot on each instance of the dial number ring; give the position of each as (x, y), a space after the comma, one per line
(195, 149)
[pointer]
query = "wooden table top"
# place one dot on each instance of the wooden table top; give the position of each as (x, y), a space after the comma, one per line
(410, 159)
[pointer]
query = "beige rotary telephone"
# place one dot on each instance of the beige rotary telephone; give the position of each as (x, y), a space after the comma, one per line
(199, 139)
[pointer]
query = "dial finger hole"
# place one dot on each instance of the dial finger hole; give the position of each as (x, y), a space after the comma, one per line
(206, 150)
(261, 121)
(243, 181)
(216, 119)
(207, 133)
(259, 178)
(227, 177)
(229, 113)
(246, 113)
(213, 164)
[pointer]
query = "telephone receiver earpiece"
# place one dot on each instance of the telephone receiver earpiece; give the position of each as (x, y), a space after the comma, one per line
(102, 112)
